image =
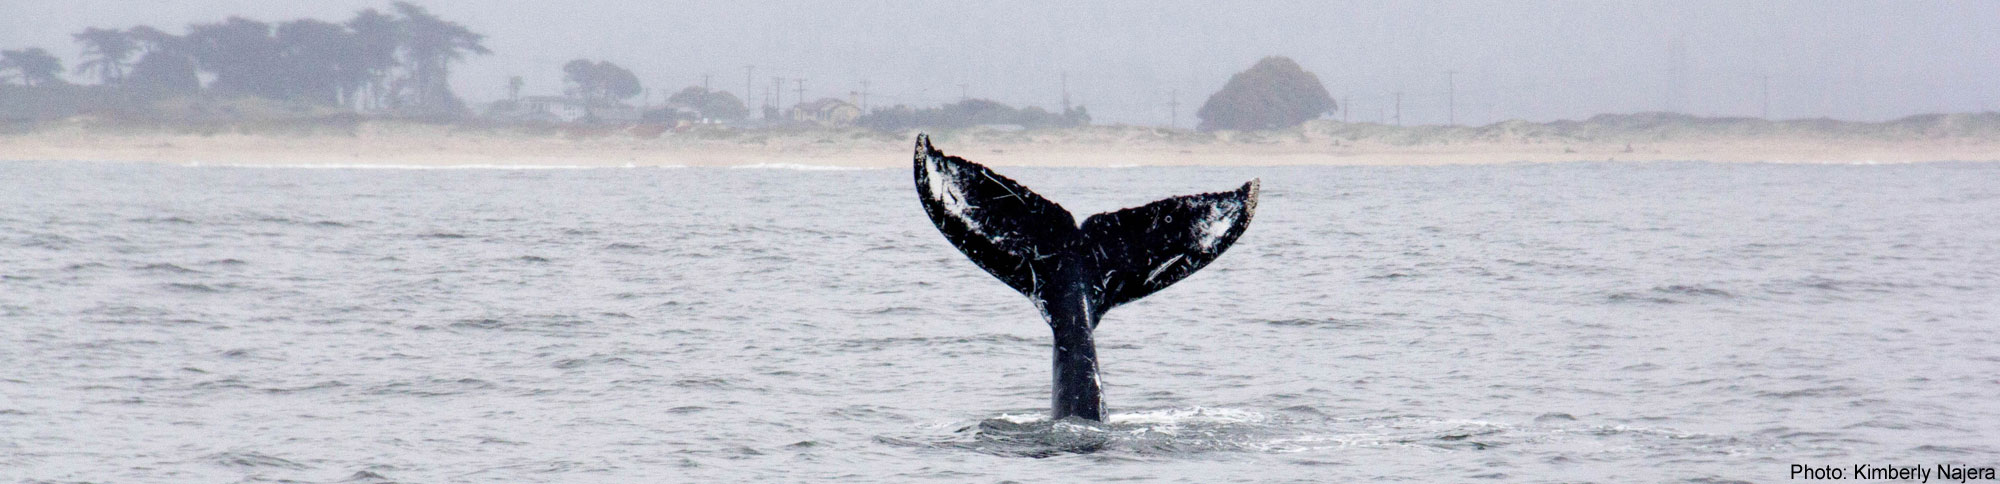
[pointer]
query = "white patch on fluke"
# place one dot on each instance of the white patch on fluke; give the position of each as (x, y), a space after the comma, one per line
(1214, 225)
(948, 194)
(1162, 268)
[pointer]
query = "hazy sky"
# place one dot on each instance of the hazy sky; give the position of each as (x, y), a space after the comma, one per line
(1124, 59)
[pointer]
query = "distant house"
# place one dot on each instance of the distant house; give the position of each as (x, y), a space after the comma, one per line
(827, 112)
(563, 109)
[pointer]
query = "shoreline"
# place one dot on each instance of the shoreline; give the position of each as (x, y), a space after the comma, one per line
(391, 144)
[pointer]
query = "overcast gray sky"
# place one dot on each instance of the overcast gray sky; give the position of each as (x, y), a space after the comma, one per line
(1513, 60)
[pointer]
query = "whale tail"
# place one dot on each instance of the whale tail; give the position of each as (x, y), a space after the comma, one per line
(1025, 240)
(1075, 273)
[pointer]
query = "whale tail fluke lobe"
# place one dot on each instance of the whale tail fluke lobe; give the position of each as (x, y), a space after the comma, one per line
(1073, 273)
(1144, 249)
(1002, 226)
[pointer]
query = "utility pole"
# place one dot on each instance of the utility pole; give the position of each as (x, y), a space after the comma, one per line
(864, 96)
(1174, 109)
(749, 76)
(1451, 98)
(706, 79)
(802, 93)
(1767, 97)
(1399, 108)
(961, 93)
(1065, 93)
(1346, 107)
(778, 93)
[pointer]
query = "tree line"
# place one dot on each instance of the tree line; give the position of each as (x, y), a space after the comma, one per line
(399, 61)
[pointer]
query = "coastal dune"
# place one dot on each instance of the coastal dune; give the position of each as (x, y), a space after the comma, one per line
(1644, 137)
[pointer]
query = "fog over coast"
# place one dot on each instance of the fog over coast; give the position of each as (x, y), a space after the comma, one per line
(1117, 83)
(1534, 61)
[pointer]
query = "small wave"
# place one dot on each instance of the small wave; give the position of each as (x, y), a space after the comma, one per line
(485, 323)
(366, 476)
(889, 310)
(165, 267)
(1554, 417)
(1694, 290)
(1949, 449)
(574, 363)
(431, 387)
(253, 459)
(1630, 297)
(293, 221)
(1839, 285)
(1329, 323)
(703, 383)
(162, 220)
(987, 339)
(190, 287)
(329, 384)
(1831, 391)
(1670, 294)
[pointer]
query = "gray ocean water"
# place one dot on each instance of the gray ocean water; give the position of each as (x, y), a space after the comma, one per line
(1606, 322)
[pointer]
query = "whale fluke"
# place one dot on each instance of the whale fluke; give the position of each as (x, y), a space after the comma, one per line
(1075, 273)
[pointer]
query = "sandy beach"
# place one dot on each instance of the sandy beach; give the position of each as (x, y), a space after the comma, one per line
(390, 143)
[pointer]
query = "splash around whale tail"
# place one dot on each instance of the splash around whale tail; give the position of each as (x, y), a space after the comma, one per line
(1032, 243)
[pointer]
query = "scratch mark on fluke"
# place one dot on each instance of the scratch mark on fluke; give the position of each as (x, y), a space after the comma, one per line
(1075, 273)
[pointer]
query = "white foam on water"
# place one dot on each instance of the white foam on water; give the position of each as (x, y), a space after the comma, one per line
(1175, 416)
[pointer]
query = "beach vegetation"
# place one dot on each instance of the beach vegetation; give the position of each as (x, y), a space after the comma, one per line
(391, 64)
(600, 82)
(1275, 93)
(970, 113)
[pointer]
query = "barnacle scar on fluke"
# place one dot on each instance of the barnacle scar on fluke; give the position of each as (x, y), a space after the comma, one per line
(1075, 273)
